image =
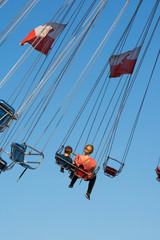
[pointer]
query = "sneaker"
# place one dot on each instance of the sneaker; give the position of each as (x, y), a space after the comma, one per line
(87, 195)
(62, 170)
(70, 186)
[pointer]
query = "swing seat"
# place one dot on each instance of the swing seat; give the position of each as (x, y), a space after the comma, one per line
(18, 153)
(6, 114)
(110, 171)
(3, 165)
(116, 168)
(81, 174)
(62, 161)
(158, 174)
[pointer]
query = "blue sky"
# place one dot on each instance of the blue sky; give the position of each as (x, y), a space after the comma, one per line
(41, 206)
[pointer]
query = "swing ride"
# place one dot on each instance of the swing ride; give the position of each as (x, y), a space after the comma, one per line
(96, 117)
(64, 162)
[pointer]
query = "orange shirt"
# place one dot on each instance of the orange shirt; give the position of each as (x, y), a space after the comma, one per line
(88, 164)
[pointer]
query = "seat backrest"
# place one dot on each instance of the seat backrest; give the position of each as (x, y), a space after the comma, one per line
(18, 152)
(110, 171)
(158, 173)
(6, 113)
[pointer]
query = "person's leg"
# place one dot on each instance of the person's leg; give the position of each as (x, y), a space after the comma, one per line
(71, 175)
(90, 186)
(74, 179)
(72, 170)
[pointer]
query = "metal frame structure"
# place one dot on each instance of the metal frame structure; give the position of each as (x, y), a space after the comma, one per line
(19, 156)
(16, 147)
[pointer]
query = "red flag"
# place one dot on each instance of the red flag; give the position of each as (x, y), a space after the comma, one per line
(123, 63)
(42, 37)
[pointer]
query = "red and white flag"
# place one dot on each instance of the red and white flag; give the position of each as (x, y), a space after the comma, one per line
(42, 37)
(123, 63)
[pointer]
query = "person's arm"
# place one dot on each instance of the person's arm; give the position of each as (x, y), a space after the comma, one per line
(93, 167)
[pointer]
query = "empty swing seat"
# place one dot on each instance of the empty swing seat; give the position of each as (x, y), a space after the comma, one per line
(62, 160)
(158, 174)
(3, 165)
(18, 153)
(112, 167)
(6, 114)
(110, 171)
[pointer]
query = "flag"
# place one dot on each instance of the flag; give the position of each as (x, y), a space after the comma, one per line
(42, 37)
(123, 63)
